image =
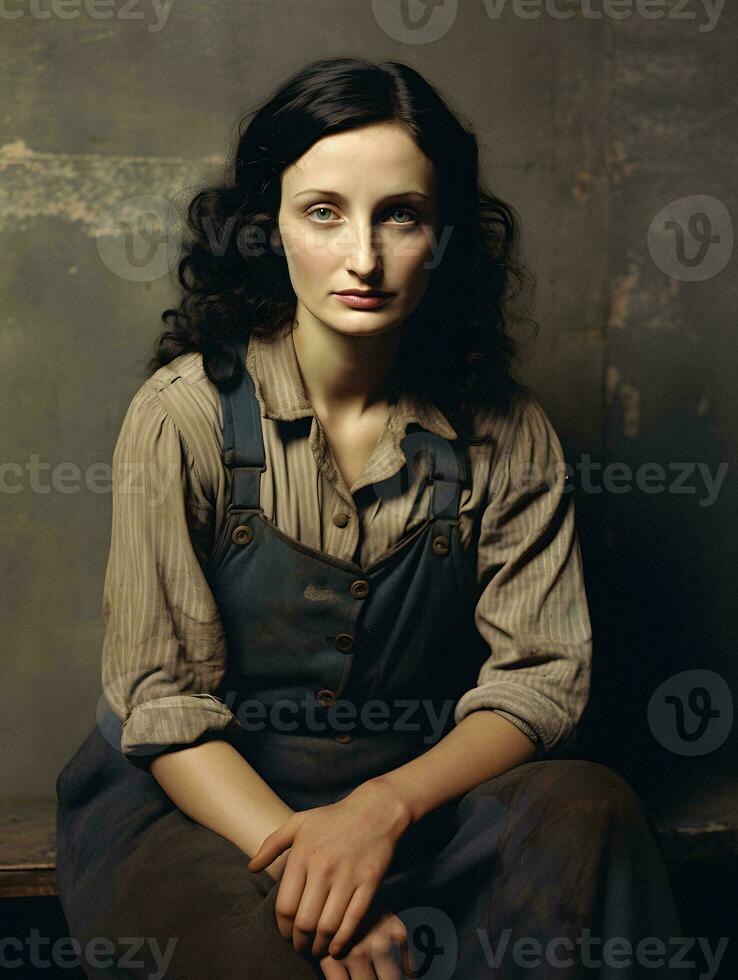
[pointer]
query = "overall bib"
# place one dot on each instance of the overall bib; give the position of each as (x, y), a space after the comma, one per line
(338, 673)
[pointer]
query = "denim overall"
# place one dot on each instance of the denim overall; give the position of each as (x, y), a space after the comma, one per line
(307, 633)
(339, 672)
(336, 673)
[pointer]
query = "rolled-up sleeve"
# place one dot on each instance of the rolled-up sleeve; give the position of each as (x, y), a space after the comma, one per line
(532, 609)
(164, 649)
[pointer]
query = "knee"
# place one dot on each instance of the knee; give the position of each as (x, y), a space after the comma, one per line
(567, 792)
(588, 794)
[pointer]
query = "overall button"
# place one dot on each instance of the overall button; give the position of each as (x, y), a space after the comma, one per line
(344, 642)
(359, 589)
(343, 737)
(242, 534)
(340, 520)
(440, 544)
(326, 697)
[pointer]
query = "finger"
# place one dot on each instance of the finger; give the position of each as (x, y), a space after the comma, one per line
(361, 969)
(357, 966)
(357, 909)
(271, 847)
(386, 954)
(289, 893)
(309, 910)
(331, 918)
(397, 932)
(407, 963)
(333, 969)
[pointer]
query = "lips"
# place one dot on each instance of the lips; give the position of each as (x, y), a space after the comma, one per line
(364, 292)
(363, 300)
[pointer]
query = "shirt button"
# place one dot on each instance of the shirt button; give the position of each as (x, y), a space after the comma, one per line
(344, 642)
(359, 589)
(343, 737)
(325, 697)
(340, 520)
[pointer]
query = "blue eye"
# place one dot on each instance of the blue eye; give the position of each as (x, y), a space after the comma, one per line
(321, 208)
(407, 211)
(394, 211)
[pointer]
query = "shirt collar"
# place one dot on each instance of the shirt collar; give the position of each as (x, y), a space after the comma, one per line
(272, 363)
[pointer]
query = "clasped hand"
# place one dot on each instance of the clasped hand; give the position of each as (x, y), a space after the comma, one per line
(339, 855)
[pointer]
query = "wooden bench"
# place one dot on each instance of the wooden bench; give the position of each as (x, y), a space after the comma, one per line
(27, 848)
(694, 809)
(694, 821)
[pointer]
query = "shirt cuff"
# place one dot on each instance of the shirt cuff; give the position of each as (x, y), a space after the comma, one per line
(533, 713)
(175, 722)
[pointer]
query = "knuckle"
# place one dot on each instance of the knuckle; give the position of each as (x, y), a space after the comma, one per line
(284, 908)
(381, 945)
(369, 870)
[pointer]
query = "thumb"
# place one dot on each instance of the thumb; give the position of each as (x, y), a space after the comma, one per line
(272, 846)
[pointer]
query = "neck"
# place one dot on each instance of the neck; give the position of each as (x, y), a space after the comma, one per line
(344, 374)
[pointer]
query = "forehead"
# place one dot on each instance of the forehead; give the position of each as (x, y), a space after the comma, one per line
(380, 156)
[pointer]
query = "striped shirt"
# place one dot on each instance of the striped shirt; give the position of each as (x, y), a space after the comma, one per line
(165, 651)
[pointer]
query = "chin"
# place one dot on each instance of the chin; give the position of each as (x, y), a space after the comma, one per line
(364, 324)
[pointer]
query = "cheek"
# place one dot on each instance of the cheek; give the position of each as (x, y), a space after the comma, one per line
(308, 259)
(412, 268)
(412, 257)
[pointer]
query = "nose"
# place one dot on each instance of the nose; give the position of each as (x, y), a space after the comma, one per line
(363, 254)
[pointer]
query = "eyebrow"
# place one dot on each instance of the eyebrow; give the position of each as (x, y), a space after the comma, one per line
(339, 196)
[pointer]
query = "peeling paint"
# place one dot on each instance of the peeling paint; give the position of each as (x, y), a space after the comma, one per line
(84, 187)
(581, 185)
(622, 291)
(651, 302)
(618, 163)
(612, 380)
(629, 396)
(704, 403)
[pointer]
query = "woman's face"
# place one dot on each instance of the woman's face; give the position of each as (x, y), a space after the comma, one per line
(358, 212)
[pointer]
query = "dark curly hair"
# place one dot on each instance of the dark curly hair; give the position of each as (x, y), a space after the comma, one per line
(454, 348)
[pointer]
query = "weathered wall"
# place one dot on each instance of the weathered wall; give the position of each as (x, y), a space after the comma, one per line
(590, 127)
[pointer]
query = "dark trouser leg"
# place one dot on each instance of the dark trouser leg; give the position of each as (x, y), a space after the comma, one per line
(197, 911)
(553, 869)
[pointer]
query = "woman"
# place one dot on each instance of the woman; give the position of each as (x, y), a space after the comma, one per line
(346, 628)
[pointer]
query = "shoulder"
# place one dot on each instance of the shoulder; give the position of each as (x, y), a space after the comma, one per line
(187, 368)
(524, 423)
(183, 393)
(177, 409)
(522, 448)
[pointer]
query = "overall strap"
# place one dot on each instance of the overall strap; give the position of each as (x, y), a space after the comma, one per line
(243, 452)
(449, 476)
(243, 445)
(447, 472)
